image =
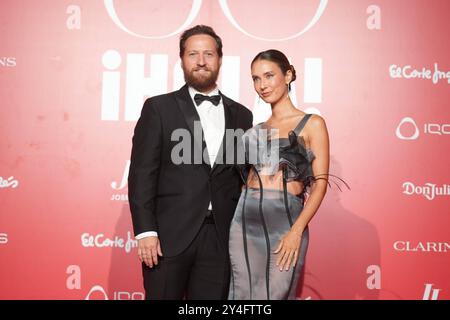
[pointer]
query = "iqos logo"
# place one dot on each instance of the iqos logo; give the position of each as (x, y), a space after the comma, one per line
(404, 121)
(101, 294)
(195, 9)
(428, 128)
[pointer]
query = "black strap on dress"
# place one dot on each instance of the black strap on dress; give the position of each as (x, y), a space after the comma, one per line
(302, 123)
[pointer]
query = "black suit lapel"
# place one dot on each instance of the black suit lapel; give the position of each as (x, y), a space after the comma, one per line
(190, 114)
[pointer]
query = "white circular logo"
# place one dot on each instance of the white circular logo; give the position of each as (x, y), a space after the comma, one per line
(196, 5)
(111, 59)
(414, 136)
(317, 15)
(94, 289)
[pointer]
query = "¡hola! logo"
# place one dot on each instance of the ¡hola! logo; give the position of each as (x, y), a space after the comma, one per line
(195, 9)
(430, 293)
(428, 128)
(139, 86)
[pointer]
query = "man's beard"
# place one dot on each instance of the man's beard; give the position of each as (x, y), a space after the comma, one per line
(203, 82)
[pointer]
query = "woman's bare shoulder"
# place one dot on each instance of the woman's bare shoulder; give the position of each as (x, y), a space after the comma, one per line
(316, 122)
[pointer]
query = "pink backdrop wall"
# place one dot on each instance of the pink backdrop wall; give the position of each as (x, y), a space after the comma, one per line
(74, 75)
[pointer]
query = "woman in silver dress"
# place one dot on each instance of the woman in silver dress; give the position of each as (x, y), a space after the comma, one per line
(286, 178)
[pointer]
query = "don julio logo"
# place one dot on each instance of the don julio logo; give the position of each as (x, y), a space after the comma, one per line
(429, 190)
(8, 62)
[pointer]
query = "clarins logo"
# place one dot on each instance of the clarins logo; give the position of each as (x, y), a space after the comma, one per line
(8, 62)
(418, 246)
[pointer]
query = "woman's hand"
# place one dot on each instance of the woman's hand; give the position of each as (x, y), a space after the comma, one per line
(288, 250)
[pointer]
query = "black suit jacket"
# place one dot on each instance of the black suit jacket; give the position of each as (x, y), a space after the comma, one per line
(173, 199)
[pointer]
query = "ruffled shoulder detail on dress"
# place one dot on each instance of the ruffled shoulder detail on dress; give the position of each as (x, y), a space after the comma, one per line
(296, 158)
(298, 161)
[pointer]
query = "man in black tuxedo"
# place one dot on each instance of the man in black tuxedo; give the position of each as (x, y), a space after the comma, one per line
(182, 200)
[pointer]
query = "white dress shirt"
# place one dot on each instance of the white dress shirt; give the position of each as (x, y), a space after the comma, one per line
(212, 119)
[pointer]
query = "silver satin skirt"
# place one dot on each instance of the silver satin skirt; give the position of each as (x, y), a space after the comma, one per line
(256, 230)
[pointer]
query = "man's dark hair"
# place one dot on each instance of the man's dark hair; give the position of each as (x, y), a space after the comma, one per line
(200, 29)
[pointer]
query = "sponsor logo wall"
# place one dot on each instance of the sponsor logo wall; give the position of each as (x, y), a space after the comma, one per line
(73, 78)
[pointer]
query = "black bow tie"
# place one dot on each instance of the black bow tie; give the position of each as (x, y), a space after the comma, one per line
(199, 98)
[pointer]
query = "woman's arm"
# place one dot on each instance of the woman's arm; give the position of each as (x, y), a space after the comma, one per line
(320, 146)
